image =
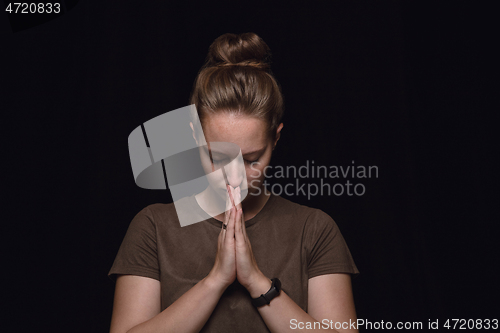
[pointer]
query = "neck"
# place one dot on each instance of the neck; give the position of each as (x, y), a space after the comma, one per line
(253, 204)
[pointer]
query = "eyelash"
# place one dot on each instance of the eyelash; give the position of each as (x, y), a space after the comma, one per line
(250, 162)
(246, 161)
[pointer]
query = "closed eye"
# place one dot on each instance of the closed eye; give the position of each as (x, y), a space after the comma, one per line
(250, 162)
(220, 161)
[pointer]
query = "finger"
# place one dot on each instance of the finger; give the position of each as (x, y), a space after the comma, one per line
(224, 228)
(239, 217)
(237, 197)
(230, 228)
(228, 213)
(221, 233)
(243, 225)
(228, 198)
(219, 243)
(240, 238)
(225, 223)
(228, 206)
(231, 194)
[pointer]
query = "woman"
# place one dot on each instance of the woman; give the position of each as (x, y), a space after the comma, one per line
(203, 277)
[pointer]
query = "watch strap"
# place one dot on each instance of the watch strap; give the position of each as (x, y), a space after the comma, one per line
(269, 295)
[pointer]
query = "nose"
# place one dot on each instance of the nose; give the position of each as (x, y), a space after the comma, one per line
(235, 172)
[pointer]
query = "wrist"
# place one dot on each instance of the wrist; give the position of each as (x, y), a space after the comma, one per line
(217, 285)
(260, 285)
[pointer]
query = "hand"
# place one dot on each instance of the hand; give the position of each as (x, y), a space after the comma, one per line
(247, 270)
(223, 272)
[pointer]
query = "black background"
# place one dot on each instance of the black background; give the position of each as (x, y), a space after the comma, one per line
(403, 85)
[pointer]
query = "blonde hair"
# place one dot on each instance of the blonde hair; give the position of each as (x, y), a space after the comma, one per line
(237, 77)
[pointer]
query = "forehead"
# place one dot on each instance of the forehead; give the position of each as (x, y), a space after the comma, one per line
(249, 133)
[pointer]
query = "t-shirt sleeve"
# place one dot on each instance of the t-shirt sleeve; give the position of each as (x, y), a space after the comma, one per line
(138, 254)
(328, 251)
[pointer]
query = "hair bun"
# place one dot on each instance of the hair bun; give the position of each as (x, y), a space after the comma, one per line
(246, 49)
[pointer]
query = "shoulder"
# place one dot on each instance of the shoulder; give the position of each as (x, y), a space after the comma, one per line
(158, 213)
(159, 209)
(310, 216)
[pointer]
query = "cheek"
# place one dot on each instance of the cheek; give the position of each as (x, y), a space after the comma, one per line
(254, 173)
(205, 162)
(207, 167)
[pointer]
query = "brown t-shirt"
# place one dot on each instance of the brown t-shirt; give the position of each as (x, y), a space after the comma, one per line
(291, 242)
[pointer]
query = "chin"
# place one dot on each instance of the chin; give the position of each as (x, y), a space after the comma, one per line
(252, 193)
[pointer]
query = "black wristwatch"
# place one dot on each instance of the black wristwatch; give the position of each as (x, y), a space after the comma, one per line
(271, 293)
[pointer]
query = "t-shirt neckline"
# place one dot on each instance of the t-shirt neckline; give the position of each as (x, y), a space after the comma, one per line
(261, 215)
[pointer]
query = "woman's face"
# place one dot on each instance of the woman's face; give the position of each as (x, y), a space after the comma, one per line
(251, 136)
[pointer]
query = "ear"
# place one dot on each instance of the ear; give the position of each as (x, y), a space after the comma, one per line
(194, 136)
(278, 134)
